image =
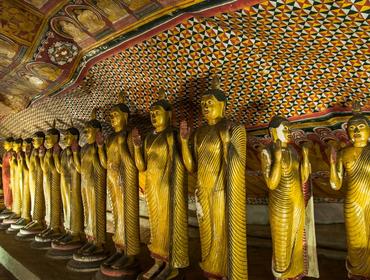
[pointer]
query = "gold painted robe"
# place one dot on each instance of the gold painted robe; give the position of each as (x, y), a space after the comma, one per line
(166, 198)
(93, 190)
(16, 182)
(51, 181)
(26, 197)
(123, 191)
(70, 185)
(36, 187)
(287, 219)
(357, 215)
(221, 201)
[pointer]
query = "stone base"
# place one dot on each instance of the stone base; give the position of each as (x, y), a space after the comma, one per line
(41, 245)
(60, 254)
(117, 267)
(79, 266)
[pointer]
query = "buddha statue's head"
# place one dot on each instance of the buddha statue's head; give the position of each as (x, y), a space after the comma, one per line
(27, 144)
(119, 117)
(51, 138)
(279, 129)
(213, 104)
(8, 144)
(161, 114)
(71, 135)
(358, 130)
(38, 139)
(17, 145)
(92, 128)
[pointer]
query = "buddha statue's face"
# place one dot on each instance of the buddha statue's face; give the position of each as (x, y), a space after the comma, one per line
(90, 133)
(212, 109)
(51, 140)
(8, 145)
(118, 119)
(69, 138)
(160, 118)
(26, 146)
(282, 132)
(17, 146)
(359, 132)
(37, 142)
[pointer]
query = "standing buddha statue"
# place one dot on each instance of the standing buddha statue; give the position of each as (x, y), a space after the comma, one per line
(8, 146)
(51, 178)
(165, 193)
(36, 190)
(218, 158)
(354, 161)
(122, 183)
(23, 158)
(286, 173)
(16, 183)
(70, 186)
(93, 191)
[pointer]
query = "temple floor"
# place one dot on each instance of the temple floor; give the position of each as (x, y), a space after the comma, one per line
(27, 263)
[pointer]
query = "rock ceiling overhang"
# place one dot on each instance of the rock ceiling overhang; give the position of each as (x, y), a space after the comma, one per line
(43, 41)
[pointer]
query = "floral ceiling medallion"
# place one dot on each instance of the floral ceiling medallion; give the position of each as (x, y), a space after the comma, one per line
(62, 53)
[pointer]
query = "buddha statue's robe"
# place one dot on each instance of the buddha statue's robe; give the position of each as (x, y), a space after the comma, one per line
(166, 197)
(36, 187)
(26, 196)
(52, 194)
(70, 187)
(6, 179)
(221, 200)
(357, 214)
(16, 184)
(93, 191)
(291, 221)
(123, 191)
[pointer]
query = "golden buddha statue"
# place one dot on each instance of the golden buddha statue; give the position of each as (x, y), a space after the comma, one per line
(93, 191)
(70, 186)
(165, 193)
(8, 147)
(23, 158)
(219, 160)
(354, 161)
(16, 182)
(286, 174)
(122, 182)
(36, 190)
(52, 194)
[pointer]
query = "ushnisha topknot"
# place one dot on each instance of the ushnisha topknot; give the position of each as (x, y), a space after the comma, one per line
(93, 122)
(121, 106)
(357, 114)
(216, 91)
(276, 121)
(162, 101)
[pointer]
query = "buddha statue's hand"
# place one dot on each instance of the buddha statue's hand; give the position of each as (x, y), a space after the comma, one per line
(56, 149)
(42, 151)
(225, 132)
(74, 147)
(28, 150)
(136, 137)
(184, 131)
(333, 155)
(305, 149)
(278, 151)
(99, 138)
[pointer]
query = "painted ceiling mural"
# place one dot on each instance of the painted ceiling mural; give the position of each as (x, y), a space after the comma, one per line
(307, 60)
